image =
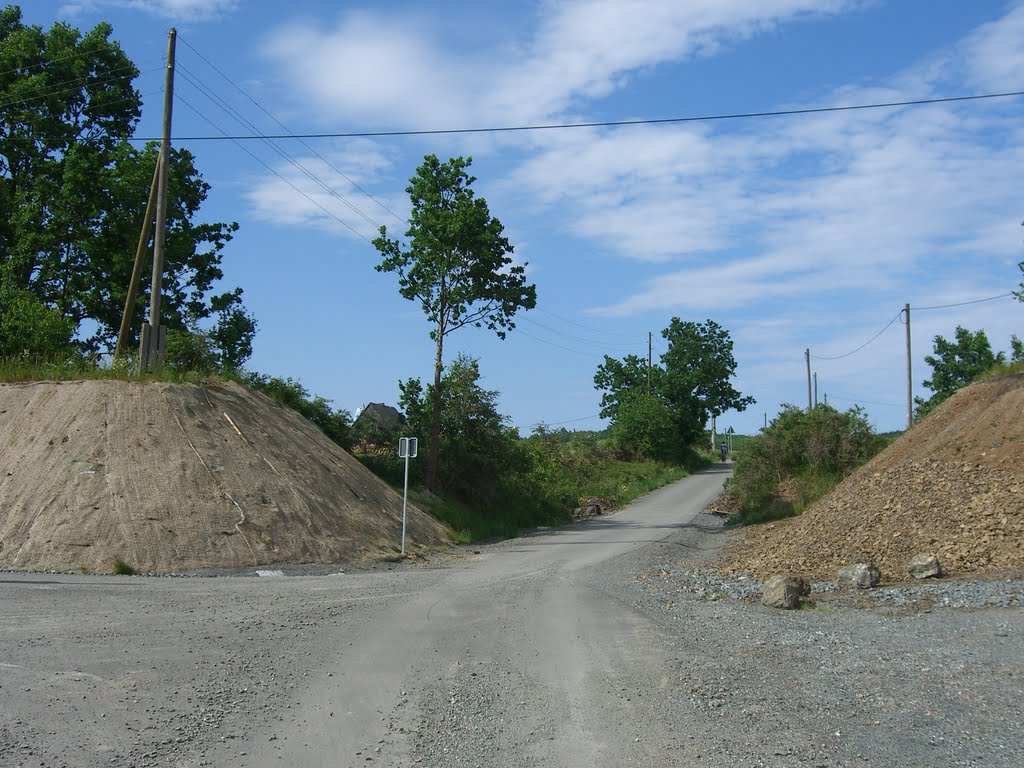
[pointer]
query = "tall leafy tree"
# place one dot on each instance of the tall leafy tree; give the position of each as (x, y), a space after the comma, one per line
(73, 191)
(692, 382)
(955, 364)
(699, 369)
(457, 265)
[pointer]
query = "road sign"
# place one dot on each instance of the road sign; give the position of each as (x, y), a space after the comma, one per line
(406, 450)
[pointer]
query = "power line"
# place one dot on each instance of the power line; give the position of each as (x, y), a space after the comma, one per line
(567, 421)
(858, 349)
(273, 171)
(592, 329)
(290, 132)
(605, 123)
(964, 303)
(68, 86)
(240, 118)
(581, 339)
(519, 330)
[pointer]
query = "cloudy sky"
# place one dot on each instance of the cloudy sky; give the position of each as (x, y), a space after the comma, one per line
(792, 231)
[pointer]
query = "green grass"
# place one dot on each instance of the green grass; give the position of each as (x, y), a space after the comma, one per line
(74, 368)
(121, 568)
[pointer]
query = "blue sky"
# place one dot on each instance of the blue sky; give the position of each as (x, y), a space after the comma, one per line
(794, 232)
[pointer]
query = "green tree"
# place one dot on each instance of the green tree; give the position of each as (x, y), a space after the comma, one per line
(28, 327)
(73, 190)
(956, 364)
(643, 427)
(699, 368)
(477, 445)
(692, 382)
(456, 265)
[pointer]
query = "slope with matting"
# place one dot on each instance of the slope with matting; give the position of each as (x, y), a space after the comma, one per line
(953, 486)
(175, 477)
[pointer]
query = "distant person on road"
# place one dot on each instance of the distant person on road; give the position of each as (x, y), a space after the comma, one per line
(725, 450)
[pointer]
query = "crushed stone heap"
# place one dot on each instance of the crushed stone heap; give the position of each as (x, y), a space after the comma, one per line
(173, 477)
(952, 486)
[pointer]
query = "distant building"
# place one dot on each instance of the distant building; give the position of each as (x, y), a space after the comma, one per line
(377, 417)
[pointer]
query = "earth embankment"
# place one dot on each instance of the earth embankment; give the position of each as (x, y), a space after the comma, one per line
(170, 478)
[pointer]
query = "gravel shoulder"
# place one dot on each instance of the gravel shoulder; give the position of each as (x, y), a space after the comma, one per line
(661, 662)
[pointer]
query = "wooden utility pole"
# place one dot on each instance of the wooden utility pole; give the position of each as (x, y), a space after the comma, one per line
(910, 379)
(140, 254)
(649, 390)
(152, 347)
(815, 389)
(807, 354)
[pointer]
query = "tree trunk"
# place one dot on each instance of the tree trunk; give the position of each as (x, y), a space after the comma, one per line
(434, 445)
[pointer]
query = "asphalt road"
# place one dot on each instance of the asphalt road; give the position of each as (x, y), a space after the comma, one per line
(508, 656)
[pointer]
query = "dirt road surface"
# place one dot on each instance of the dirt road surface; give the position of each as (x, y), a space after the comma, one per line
(547, 650)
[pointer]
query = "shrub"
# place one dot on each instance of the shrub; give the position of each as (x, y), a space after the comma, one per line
(799, 458)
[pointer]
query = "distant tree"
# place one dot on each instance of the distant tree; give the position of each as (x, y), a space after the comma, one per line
(692, 382)
(456, 265)
(73, 190)
(1016, 350)
(699, 368)
(956, 364)
(643, 427)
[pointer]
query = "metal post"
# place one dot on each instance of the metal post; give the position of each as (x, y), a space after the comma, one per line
(405, 499)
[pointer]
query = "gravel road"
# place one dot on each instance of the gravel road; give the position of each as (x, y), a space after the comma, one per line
(603, 644)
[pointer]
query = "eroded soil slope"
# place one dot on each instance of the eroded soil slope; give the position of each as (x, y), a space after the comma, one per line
(953, 486)
(175, 477)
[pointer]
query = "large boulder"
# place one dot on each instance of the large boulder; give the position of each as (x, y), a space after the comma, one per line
(925, 566)
(785, 591)
(861, 575)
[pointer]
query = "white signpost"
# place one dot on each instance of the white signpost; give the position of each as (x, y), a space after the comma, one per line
(406, 450)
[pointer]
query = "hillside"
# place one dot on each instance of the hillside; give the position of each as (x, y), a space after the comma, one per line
(176, 477)
(953, 485)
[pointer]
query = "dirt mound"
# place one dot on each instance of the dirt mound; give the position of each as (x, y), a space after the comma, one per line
(173, 477)
(953, 486)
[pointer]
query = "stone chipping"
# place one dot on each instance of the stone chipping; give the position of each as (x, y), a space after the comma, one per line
(952, 486)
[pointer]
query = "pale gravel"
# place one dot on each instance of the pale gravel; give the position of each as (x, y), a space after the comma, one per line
(918, 675)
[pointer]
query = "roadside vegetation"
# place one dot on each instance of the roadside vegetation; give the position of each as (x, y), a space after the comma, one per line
(799, 458)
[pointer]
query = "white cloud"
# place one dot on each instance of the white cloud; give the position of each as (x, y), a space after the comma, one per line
(995, 53)
(394, 70)
(185, 10)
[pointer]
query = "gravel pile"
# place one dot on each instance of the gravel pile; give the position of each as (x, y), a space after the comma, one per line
(952, 486)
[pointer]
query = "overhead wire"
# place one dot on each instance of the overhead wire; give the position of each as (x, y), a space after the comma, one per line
(269, 114)
(866, 343)
(964, 303)
(595, 342)
(65, 86)
(270, 168)
(199, 85)
(606, 123)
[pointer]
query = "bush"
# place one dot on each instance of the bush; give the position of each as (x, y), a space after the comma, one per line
(799, 458)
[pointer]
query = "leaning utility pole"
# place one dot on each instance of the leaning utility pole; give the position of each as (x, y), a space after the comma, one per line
(807, 354)
(140, 254)
(152, 345)
(910, 379)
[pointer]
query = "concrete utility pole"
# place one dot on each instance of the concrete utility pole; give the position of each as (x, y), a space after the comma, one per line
(910, 378)
(152, 347)
(807, 354)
